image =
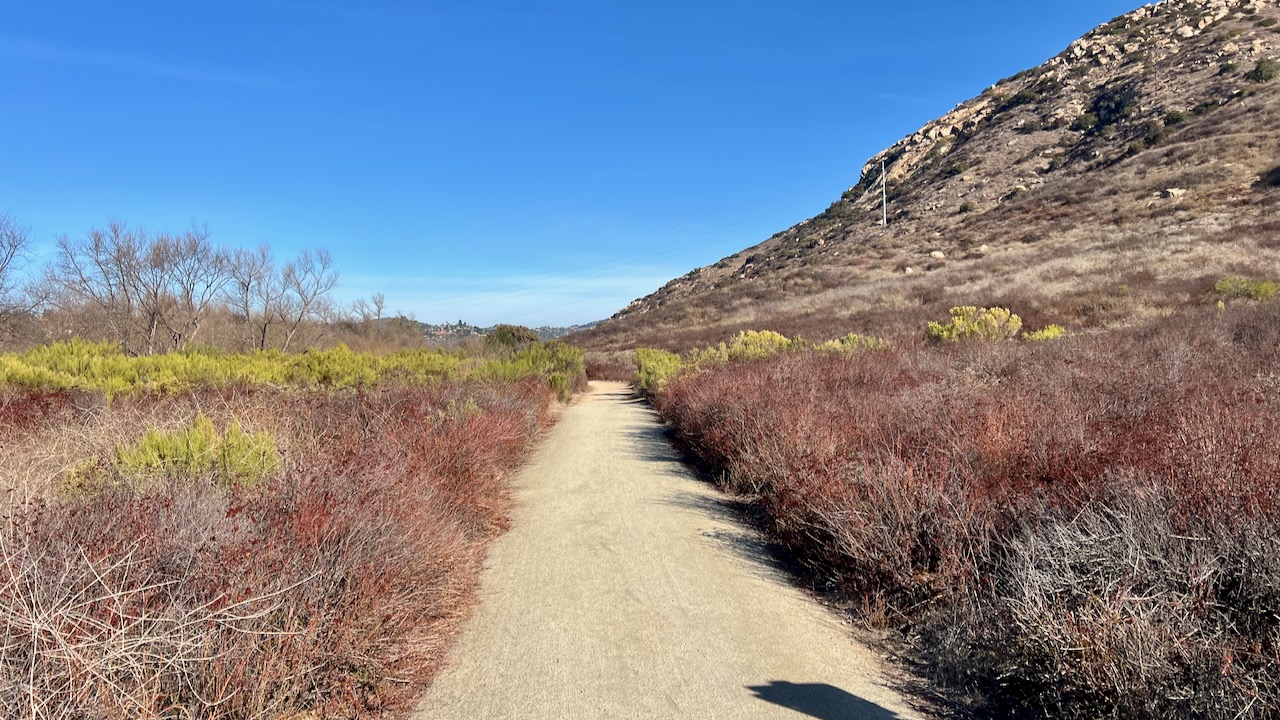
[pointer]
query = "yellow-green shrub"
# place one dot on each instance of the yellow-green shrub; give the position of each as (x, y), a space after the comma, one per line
(1048, 332)
(708, 356)
(104, 367)
(561, 385)
(560, 364)
(1239, 288)
(756, 344)
(231, 458)
(852, 343)
(975, 323)
(746, 345)
(656, 367)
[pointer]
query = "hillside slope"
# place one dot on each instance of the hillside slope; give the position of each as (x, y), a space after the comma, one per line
(1117, 180)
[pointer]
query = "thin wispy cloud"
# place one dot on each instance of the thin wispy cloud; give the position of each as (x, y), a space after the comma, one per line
(30, 50)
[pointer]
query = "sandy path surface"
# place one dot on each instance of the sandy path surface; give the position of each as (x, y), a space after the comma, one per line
(627, 589)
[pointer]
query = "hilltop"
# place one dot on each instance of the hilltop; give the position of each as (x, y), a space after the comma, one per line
(1116, 181)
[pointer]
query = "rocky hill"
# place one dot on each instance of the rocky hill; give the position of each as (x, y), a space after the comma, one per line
(1119, 179)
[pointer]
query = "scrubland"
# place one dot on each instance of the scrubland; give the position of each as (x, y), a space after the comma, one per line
(1086, 526)
(315, 566)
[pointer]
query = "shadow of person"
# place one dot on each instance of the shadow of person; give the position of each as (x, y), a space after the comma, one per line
(820, 700)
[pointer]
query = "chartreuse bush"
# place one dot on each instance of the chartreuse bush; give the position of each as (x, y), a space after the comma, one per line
(852, 343)
(230, 458)
(971, 323)
(754, 345)
(1048, 332)
(1238, 288)
(655, 368)
(104, 367)
(746, 345)
(560, 365)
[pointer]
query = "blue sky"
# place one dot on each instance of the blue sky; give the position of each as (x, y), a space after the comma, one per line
(538, 163)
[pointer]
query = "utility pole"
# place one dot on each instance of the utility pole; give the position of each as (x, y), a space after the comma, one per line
(884, 197)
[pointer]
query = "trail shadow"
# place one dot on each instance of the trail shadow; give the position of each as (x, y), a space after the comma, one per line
(819, 700)
(624, 396)
(745, 534)
(745, 538)
(653, 444)
(767, 559)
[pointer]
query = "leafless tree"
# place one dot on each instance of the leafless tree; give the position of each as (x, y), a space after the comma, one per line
(94, 275)
(14, 245)
(262, 297)
(151, 294)
(19, 297)
(307, 282)
(254, 294)
(369, 311)
(190, 273)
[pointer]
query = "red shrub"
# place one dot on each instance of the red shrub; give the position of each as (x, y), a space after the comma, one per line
(909, 478)
(332, 589)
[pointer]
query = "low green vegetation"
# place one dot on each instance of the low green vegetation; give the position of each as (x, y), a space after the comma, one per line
(1265, 71)
(229, 458)
(748, 345)
(1238, 288)
(1155, 132)
(657, 367)
(105, 367)
(1048, 332)
(1204, 108)
(512, 336)
(852, 342)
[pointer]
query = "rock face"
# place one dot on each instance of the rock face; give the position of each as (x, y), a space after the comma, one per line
(1158, 102)
(1136, 43)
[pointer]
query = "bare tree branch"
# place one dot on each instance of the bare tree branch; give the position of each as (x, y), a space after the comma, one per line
(14, 252)
(307, 280)
(152, 293)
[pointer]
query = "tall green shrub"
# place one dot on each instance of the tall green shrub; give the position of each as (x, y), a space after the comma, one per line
(656, 367)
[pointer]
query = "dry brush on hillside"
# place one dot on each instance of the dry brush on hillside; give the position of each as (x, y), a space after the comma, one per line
(1106, 186)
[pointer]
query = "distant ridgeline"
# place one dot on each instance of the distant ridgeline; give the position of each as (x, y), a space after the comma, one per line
(452, 332)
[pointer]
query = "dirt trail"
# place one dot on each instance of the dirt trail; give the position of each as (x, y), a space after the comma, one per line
(627, 589)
